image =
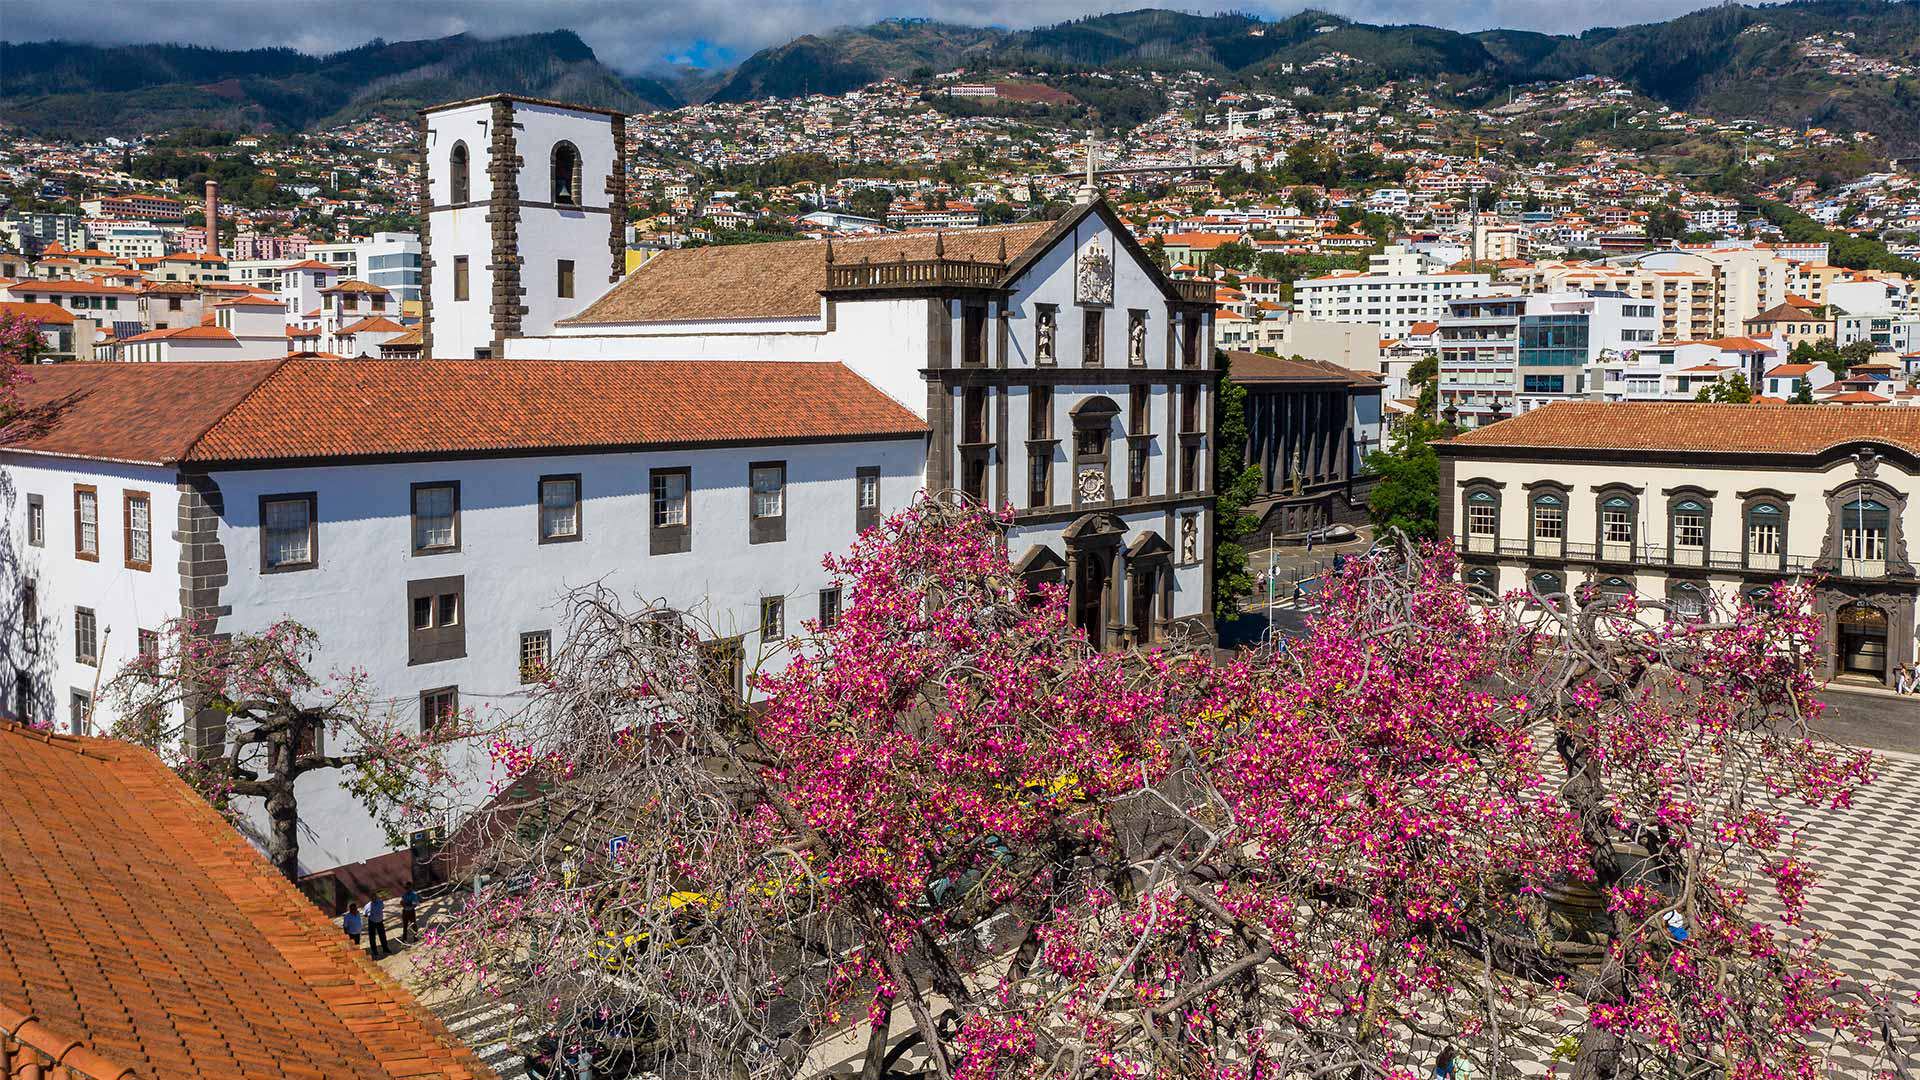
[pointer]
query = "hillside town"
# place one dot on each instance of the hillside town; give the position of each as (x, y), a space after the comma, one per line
(993, 573)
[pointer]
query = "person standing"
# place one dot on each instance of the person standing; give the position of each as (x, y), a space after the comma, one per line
(409, 910)
(350, 922)
(377, 946)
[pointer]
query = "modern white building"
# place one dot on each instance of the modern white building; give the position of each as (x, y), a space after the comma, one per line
(1398, 288)
(1506, 354)
(425, 517)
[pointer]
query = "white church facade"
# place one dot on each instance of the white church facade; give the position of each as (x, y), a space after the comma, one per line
(1059, 371)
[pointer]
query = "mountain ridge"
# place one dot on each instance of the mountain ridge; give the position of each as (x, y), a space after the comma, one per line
(1731, 61)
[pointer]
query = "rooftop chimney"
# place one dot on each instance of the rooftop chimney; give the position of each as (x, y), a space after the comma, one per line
(213, 217)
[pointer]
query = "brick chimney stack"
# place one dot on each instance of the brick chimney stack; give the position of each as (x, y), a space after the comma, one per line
(213, 217)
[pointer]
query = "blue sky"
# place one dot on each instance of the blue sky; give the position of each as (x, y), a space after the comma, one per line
(637, 36)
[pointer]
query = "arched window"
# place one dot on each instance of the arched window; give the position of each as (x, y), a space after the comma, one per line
(1766, 536)
(1483, 519)
(1760, 596)
(1689, 600)
(1687, 530)
(460, 175)
(1549, 523)
(1618, 526)
(1548, 584)
(566, 174)
(1864, 523)
(1612, 587)
(1483, 583)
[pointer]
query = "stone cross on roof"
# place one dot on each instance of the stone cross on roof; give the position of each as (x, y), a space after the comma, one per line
(1088, 191)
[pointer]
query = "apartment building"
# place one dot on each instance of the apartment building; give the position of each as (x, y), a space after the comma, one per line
(1505, 354)
(1398, 289)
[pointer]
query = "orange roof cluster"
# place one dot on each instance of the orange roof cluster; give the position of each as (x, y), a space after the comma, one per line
(141, 936)
(284, 410)
(1696, 427)
(38, 312)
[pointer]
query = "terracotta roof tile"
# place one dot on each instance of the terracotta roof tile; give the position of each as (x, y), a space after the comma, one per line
(1695, 427)
(137, 922)
(38, 311)
(1252, 367)
(777, 281)
(294, 409)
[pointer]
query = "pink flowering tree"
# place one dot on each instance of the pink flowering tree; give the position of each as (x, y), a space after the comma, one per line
(947, 837)
(244, 716)
(20, 343)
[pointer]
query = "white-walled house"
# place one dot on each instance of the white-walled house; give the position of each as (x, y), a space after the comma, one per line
(1058, 369)
(348, 494)
(1700, 503)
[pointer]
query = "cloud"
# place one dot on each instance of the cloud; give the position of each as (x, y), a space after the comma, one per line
(643, 35)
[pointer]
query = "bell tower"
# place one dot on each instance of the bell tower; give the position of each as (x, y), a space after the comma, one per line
(523, 212)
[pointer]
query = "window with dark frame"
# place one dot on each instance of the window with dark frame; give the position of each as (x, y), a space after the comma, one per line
(436, 619)
(436, 518)
(1189, 408)
(866, 497)
(1190, 340)
(563, 279)
(136, 526)
(1040, 476)
(1190, 468)
(1138, 399)
(1136, 469)
(1092, 338)
(29, 614)
(459, 170)
(829, 607)
(773, 618)
(149, 645)
(767, 502)
(671, 528)
(86, 522)
(973, 335)
(566, 174)
(460, 277)
(86, 637)
(1040, 412)
(559, 509)
(724, 662)
(536, 650)
(973, 415)
(36, 521)
(80, 716)
(289, 539)
(439, 711)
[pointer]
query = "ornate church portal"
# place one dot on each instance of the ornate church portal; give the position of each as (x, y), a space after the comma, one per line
(1119, 593)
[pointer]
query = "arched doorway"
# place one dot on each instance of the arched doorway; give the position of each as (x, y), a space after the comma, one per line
(1861, 648)
(1093, 545)
(1089, 598)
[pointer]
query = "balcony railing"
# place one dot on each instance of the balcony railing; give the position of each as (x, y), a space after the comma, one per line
(914, 274)
(1659, 555)
(1195, 292)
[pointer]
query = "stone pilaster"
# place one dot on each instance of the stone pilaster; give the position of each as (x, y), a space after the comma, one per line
(617, 203)
(203, 573)
(506, 304)
(425, 201)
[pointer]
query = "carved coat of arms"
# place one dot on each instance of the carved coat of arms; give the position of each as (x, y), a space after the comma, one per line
(1093, 276)
(1093, 485)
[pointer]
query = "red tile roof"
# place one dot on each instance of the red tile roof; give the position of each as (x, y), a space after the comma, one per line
(304, 409)
(1696, 427)
(136, 922)
(38, 311)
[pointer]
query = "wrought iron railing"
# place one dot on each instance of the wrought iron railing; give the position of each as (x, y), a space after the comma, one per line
(1654, 555)
(914, 274)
